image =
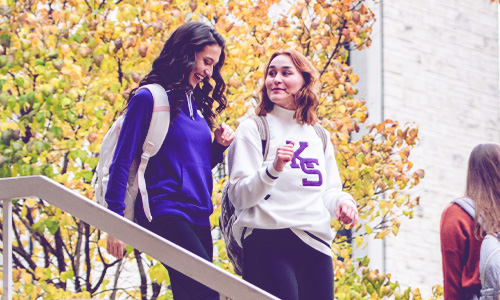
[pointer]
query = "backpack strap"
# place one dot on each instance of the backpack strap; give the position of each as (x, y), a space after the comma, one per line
(466, 204)
(158, 128)
(320, 131)
(263, 128)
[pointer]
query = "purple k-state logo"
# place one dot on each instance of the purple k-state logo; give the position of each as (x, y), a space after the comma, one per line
(306, 165)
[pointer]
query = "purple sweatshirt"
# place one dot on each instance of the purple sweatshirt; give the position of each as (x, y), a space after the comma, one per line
(179, 177)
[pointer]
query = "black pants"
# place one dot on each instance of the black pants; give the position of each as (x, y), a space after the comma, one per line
(194, 238)
(280, 263)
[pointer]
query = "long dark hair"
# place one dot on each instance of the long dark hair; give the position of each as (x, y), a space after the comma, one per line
(171, 69)
(306, 99)
(483, 187)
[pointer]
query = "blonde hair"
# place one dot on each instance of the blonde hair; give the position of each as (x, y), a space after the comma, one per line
(483, 187)
(306, 99)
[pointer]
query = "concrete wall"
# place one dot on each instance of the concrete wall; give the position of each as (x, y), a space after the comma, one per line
(434, 63)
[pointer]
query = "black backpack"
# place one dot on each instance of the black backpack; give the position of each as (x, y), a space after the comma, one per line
(228, 217)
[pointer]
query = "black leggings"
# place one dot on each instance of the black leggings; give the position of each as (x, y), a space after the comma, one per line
(279, 262)
(194, 238)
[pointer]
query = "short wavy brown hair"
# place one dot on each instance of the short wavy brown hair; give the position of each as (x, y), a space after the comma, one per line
(307, 99)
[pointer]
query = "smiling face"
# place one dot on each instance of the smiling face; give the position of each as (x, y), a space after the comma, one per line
(206, 59)
(283, 81)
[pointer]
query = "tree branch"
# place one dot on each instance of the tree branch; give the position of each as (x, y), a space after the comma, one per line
(337, 46)
(88, 263)
(78, 256)
(116, 277)
(144, 279)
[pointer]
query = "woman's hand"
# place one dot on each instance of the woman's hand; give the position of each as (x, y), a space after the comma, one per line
(224, 135)
(347, 212)
(284, 155)
(115, 247)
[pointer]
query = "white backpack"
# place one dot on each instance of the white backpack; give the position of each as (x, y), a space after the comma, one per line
(157, 131)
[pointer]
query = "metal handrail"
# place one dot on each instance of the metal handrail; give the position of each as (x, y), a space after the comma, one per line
(228, 285)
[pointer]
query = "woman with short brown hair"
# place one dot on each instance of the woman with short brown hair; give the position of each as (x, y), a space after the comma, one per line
(284, 203)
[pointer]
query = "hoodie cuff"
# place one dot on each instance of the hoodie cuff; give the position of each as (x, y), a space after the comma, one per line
(217, 153)
(270, 174)
(218, 148)
(346, 197)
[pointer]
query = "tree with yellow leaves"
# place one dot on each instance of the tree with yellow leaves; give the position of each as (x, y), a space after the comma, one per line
(66, 67)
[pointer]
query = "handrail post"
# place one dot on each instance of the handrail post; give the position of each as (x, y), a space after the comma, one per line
(7, 249)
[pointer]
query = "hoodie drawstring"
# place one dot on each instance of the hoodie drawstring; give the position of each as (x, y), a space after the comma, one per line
(190, 104)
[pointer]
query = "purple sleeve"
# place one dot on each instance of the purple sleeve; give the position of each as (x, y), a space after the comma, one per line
(129, 145)
(217, 153)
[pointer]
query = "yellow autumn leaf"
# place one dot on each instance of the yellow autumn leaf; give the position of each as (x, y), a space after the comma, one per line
(31, 202)
(27, 277)
(353, 78)
(359, 241)
(338, 93)
(395, 230)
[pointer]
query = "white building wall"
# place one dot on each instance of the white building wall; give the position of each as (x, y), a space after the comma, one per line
(436, 64)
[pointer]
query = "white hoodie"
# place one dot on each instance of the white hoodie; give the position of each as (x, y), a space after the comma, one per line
(303, 197)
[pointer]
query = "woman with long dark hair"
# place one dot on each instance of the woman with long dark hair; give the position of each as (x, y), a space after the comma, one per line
(178, 178)
(284, 203)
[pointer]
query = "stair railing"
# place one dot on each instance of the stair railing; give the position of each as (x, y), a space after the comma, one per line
(228, 285)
